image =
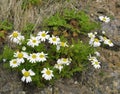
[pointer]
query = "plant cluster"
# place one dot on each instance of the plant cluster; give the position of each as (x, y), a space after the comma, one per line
(97, 40)
(71, 20)
(43, 57)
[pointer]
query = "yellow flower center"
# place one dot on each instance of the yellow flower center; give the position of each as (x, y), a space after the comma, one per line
(33, 56)
(96, 63)
(15, 34)
(41, 56)
(104, 19)
(48, 72)
(109, 42)
(43, 35)
(34, 41)
(26, 74)
(20, 55)
(96, 40)
(14, 62)
(62, 44)
(54, 39)
(104, 38)
(64, 59)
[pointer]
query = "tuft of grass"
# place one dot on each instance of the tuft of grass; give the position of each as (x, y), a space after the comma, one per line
(28, 3)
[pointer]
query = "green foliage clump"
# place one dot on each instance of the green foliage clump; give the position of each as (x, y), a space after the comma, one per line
(77, 52)
(75, 21)
(6, 25)
(7, 53)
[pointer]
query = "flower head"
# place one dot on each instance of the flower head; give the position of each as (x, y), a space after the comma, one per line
(33, 41)
(58, 66)
(47, 74)
(20, 56)
(41, 57)
(96, 64)
(108, 42)
(14, 63)
(16, 37)
(33, 58)
(62, 44)
(91, 35)
(42, 35)
(27, 75)
(95, 42)
(64, 61)
(104, 19)
(54, 40)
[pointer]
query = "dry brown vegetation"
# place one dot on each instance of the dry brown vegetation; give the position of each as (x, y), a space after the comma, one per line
(12, 10)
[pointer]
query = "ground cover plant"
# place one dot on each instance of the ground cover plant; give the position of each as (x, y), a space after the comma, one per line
(53, 53)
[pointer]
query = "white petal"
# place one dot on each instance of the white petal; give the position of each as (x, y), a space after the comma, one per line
(23, 78)
(28, 79)
(23, 71)
(31, 72)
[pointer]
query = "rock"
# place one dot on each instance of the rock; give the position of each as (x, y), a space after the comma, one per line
(9, 82)
(112, 30)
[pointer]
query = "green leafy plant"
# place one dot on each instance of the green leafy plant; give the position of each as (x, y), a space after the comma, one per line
(6, 25)
(7, 53)
(45, 59)
(74, 21)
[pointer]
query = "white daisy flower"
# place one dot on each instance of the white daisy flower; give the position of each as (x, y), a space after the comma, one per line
(33, 41)
(96, 64)
(14, 63)
(59, 67)
(54, 40)
(95, 42)
(62, 44)
(20, 56)
(27, 75)
(41, 57)
(91, 35)
(42, 35)
(104, 19)
(16, 37)
(108, 42)
(65, 61)
(47, 74)
(33, 58)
